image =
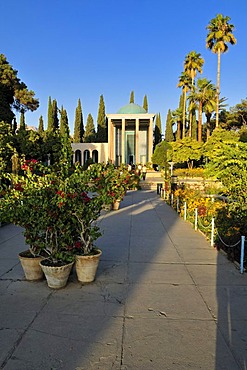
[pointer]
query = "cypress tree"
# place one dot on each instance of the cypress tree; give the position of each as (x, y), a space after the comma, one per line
(53, 122)
(101, 121)
(50, 116)
(157, 130)
(132, 97)
(41, 125)
(194, 126)
(54, 113)
(78, 127)
(169, 132)
(145, 103)
(66, 151)
(22, 121)
(180, 118)
(89, 135)
(64, 123)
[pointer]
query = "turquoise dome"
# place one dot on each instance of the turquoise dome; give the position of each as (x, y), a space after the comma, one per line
(131, 108)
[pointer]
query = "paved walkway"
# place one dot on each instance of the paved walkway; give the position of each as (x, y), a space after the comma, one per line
(163, 299)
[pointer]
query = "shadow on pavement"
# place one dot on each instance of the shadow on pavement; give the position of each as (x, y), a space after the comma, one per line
(162, 299)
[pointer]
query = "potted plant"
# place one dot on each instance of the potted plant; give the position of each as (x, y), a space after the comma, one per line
(57, 209)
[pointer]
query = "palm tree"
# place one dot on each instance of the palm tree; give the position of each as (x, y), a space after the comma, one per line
(193, 63)
(185, 83)
(219, 35)
(202, 93)
(192, 107)
(177, 119)
(209, 108)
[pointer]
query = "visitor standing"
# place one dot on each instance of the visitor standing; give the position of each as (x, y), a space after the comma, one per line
(139, 169)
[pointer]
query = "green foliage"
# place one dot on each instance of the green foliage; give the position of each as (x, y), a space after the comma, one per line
(50, 116)
(213, 147)
(169, 132)
(58, 209)
(189, 172)
(157, 130)
(220, 34)
(66, 152)
(78, 127)
(161, 154)
(101, 121)
(6, 146)
(237, 117)
(52, 145)
(89, 135)
(229, 165)
(193, 63)
(186, 150)
(132, 97)
(13, 93)
(29, 143)
(145, 103)
(194, 126)
(22, 122)
(53, 122)
(41, 126)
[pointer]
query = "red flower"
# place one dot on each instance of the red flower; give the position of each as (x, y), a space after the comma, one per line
(18, 187)
(78, 245)
(61, 193)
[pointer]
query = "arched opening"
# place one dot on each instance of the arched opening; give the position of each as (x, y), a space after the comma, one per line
(78, 156)
(86, 156)
(95, 156)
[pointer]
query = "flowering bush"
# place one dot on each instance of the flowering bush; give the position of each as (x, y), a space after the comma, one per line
(110, 182)
(56, 210)
(207, 207)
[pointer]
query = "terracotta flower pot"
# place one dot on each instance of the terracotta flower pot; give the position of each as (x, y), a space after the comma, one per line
(86, 266)
(116, 205)
(56, 276)
(31, 266)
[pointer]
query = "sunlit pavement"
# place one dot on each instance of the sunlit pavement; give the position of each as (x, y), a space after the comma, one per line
(162, 299)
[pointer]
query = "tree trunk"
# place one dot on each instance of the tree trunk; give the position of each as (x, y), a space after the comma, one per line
(200, 123)
(218, 91)
(208, 116)
(184, 113)
(178, 130)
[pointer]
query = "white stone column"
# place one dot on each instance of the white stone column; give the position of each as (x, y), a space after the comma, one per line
(137, 159)
(123, 140)
(109, 139)
(150, 139)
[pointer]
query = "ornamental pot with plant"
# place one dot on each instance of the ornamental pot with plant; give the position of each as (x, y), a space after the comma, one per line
(55, 209)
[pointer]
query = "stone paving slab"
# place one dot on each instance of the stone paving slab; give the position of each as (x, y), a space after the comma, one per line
(162, 299)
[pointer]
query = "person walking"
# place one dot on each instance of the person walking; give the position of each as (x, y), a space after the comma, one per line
(144, 172)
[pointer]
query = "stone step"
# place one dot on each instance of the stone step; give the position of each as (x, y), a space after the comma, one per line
(150, 185)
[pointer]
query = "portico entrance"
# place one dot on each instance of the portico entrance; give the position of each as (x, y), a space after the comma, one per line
(130, 135)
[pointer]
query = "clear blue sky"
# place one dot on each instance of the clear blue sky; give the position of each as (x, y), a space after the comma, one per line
(70, 49)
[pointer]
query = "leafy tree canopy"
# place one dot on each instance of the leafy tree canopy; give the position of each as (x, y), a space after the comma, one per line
(219, 136)
(161, 154)
(13, 92)
(230, 167)
(186, 150)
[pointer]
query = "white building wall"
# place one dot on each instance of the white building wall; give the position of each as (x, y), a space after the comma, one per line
(102, 149)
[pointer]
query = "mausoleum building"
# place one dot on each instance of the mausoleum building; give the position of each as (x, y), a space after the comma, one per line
(130, 139)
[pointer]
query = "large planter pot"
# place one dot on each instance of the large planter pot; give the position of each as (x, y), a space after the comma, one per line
(116, 205)
(86, 266)
(56, 276)
(31, 266)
